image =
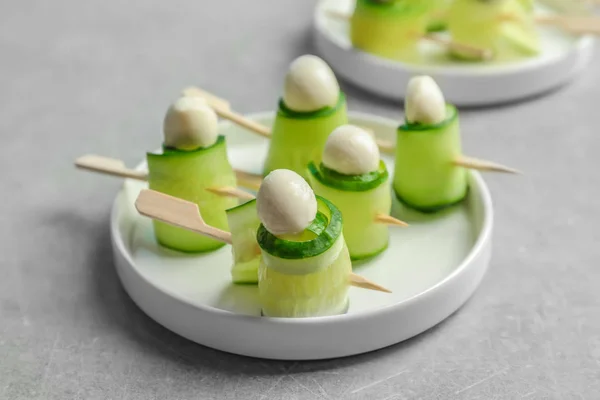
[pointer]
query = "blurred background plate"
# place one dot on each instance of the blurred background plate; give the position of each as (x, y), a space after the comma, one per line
(432, 267)
(463, 84)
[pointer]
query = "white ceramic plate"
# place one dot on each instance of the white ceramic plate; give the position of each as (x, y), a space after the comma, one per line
(563, 56)
(431, 267)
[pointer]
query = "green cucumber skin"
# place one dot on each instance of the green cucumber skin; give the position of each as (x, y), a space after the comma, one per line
(186, 175)
(292, 250)
(389, 30)
(424, 176)
(364, 237)
(243, 223)
(351, 183)
(297, 140)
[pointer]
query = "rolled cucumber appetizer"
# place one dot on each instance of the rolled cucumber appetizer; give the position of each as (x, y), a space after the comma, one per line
(390, 29)
(193, 158)
(355, 179)
(506, 27)
(425, 177)
(305, 265)
(312, 106)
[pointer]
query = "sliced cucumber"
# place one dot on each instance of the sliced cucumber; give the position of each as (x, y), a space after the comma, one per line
(243, 223)
(320, 293)
(359, 198)
(390, 30)
(299, 138)
(355, 183)
(187, 174)
(425, 178)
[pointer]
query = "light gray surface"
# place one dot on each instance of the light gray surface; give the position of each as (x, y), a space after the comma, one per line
(97, 76)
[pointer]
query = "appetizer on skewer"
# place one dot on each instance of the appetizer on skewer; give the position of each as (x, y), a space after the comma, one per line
(354, 178)
(193, 158)
(430, 169)
(305, 262)
(505, 27)
(311, 107)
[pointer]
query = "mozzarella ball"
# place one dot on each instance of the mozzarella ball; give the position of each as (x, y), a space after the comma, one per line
(351, 150)
(190, 123)
(310, 85)
(425, 101)
(285, 203)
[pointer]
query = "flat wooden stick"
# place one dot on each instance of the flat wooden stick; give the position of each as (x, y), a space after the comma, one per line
(185, 214)
(483, 165)
(229, 191)
(174, 211)
(114, 167)
(389, 220)
(109, 166)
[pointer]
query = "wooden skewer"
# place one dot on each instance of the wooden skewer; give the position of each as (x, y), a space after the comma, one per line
(186, 215)
(472, 51)
(109, 166)
(114, 167)
(229, 191)
(218, 104)
(483, 165)
(389, 220)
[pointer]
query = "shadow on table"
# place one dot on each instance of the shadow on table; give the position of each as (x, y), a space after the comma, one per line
(116, 308)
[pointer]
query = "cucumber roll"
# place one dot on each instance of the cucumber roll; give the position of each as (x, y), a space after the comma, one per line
(425, 177)
(353, 177)
(505, 27)
(305, 266)
(311, 107)
(193, 158)
(390, 29)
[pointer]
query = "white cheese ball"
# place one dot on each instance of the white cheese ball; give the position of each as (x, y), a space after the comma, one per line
(310, 85)
(424, 102)
(190, 123)
(285, 203)
(351, 150)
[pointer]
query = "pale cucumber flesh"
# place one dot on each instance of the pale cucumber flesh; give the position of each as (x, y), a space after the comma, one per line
(320, 293)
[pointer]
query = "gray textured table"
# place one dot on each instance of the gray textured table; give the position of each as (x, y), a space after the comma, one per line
(97, 76)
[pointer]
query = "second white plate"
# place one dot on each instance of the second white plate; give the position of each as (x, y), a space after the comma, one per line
(463, 84)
